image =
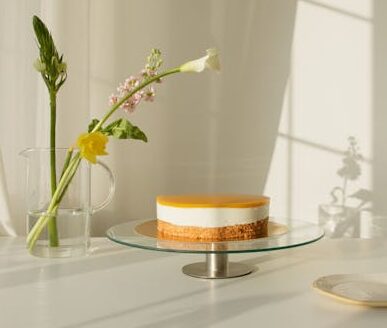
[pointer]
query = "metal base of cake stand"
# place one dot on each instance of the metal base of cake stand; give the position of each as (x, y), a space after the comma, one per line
(216, 266)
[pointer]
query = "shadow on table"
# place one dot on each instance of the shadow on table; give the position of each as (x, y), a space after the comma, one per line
(104, 256)
(372, 317)
(201, 316)
(327, 250)
(208, 313)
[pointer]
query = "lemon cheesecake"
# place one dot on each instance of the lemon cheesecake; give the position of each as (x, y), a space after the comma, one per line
(212, 217)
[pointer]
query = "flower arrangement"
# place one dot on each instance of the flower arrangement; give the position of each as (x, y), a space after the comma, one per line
(93, 143)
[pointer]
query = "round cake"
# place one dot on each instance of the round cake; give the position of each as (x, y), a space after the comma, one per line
(212, 217)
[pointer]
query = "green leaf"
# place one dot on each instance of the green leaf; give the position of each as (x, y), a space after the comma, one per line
(120, 129)
(123, 129)
(92, 125)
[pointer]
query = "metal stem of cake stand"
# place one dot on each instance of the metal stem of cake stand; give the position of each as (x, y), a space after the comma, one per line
(216, 266)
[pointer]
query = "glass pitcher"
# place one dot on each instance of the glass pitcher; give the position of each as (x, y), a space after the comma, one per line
(67, 233)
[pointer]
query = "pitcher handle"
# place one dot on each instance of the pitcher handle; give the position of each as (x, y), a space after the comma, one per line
(112, 188)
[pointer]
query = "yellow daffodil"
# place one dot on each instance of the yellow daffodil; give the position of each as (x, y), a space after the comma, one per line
(210, 61)
(92, 145)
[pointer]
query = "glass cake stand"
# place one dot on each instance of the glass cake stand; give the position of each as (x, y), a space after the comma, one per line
(143, 234)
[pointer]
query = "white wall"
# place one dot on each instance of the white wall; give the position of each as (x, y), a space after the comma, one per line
(298, 78)
(335, 90)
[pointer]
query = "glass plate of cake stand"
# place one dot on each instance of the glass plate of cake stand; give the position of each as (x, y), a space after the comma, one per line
(143, 234)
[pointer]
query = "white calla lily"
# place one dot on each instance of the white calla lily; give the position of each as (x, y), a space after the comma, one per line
(210, 61)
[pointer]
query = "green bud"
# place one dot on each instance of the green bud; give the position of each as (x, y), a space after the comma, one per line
(62, 67)
(39, 66)
(54, 61)
(154, 60)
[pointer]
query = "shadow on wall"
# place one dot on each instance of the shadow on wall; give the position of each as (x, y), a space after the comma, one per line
(350, 214)
(342, 216)
(247, 120)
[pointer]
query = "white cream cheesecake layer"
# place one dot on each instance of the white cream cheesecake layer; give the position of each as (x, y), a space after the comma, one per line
(213, 217)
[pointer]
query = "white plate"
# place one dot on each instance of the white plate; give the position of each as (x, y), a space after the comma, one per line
(360, 289)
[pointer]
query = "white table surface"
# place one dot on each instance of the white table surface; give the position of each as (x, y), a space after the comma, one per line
(118, 286)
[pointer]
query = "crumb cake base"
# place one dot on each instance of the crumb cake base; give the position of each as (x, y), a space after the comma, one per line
(253, 230)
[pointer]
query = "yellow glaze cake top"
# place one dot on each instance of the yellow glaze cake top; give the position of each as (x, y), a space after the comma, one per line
(213, 200)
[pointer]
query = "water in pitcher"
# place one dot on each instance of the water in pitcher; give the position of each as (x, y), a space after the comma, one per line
(72, 226)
